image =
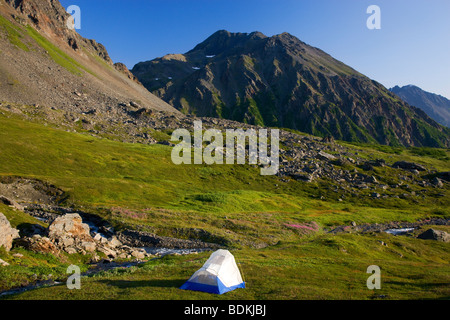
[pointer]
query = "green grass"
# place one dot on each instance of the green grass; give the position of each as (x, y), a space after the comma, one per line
(100, 172)
(435, 153)
(19, 220)
(16, 36)
(13, 33)
(319, 267)
(32, 266)
(138, 186)
(436, 158)
(56, 54)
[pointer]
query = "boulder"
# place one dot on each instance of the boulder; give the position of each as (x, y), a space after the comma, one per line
(69, 233)
(444, 175)
(113, 242)
(37, 243)
(69, 225)
(138, 254)
(437, 182)
(328, 139)
(11, 203)
(409, 166)
(432, 234)
(371, 179)
(88, 246)
(7, 233)
(376, 195)
(325, 156)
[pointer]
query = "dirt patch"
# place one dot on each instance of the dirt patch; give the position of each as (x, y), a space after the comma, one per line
(26, 191)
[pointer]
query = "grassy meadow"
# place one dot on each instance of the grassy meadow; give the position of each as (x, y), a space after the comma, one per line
(134, 185)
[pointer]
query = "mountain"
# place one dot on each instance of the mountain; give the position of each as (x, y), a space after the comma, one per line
(280, 81)
(434, 105)
(44, 63)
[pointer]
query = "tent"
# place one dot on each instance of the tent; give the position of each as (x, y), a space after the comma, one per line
(219, 274)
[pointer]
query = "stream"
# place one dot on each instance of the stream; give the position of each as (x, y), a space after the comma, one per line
(100, 267)
(399, 231)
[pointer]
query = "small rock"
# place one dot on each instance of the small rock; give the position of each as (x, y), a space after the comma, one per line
(325, 156)
(114, 242)
(138, 254)
(134, 104)
(70, 250)
(3, 263)
(437, 182)
(88, 246)
(98, 237)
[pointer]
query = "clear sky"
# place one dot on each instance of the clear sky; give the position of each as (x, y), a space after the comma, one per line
(412, 46)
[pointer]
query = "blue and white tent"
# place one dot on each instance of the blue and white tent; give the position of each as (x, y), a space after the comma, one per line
(219, 274)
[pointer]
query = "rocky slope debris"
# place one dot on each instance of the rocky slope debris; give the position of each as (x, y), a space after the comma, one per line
(51, 18)
(44, 63)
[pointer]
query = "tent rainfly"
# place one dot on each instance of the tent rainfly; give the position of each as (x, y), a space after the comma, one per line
(219, 274)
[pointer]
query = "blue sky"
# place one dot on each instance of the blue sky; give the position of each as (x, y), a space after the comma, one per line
(412, 46)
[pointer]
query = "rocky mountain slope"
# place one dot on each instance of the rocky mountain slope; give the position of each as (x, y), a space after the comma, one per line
(281, 81)
(436, 106)
(44, 63)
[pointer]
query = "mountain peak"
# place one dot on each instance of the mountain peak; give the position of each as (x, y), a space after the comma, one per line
(279, 81)
(257, 35)
(222, 40)
(434, 105)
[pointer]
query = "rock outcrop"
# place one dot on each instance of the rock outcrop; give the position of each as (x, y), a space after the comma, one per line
(123, 68)
(38, 243)
(50, 17)
(67, 233)
(71, 234)
(7, 233)
(408, 166)
(432, 234)
(52, 67)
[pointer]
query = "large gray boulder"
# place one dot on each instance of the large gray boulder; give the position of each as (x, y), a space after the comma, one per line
(69, 226)
(432, 234)
(69, 233)
(7, 233)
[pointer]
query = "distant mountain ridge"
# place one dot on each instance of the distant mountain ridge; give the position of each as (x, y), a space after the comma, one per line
(280, 81)
(434, 105)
